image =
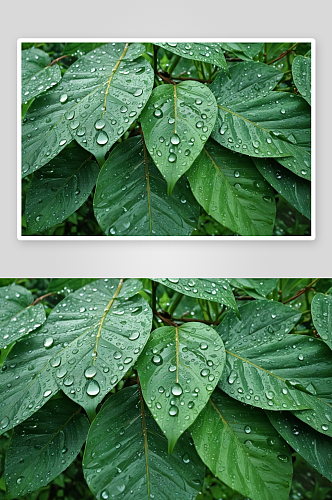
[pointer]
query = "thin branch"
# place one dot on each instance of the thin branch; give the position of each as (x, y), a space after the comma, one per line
(308, 287)
(58, 59)
(284, 53)
(165, 78)
(43, 297)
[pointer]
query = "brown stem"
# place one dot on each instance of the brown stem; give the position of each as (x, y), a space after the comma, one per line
(165, 78)
(184, 78)
(58, 59)
(166, 320)
(308, 287)
(190, 320)
(284, 53)
(43, 297)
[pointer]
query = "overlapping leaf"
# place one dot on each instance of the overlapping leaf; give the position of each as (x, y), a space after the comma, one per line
(301, 70)
(295, 189)
(59, 188)
(230, 189)
(37, 74)
(44, 446)
(18, 315)
(177, 122)
(246, 51)
(256, 287)
(131, 196)
(240, 446)
(126, 454)
(217, 290)
(321, 308)
(178, 370)
(257, 122)
(67, 285)
(97, 100)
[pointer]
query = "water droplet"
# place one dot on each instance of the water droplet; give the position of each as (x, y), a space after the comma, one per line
(104, 494)
(123, 109)
(63, 98)
(102, 138)
(247, 429)
(203, 346)
(173, 411)
(100, 124)
(138, 92)
(205, 372)
(325, 427)
(63, 142)
(172, 158)
(158, 113)
(4, 423)
(236, 173)
(74, 125)
(134, 336)
(199, 124)
(268, 199)
(223, 128)
(283, 458)
(177, 390)
(232, 377)
(90, 372)
(70, 114)
(175, 139)
(186, 458)
(157, 360)
(183, 199)
(198, 101)
(93, 388)
(19, 479)
(282, 111)
(301, 357)
(47, 393)
(48, 342)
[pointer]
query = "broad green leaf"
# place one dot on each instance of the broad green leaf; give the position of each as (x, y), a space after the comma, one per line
(101, 329)
(315, 448)
(44, 446)
(240, 446)
(259, 123)
(59, 188)
(217, 290)
(231, 190)
(178, 370)
(99, 97)
(206, 52)
(294, 189)
(80, 48)
(37, 74)
(321, 309)
(18, 315)
(67, 285)
(126, 455)
(177, 122)
(246, 51)
(256, 287)
(266, 366)
(301, 70)
(140, 206)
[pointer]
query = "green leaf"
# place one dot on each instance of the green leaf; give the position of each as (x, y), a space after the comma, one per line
(265, 365)
(294, 189)
(206, 52)
(93, 105)
(140, 206)
(231, 190)
(240, 446)
(315, 448)
(260, 123)
(67, 285)
(37, 74)
(178, 370)
(217, 290)
(256, 287)
(80, 48)
(18, 315)
(130, 455)
(177, 122)
(44, 446)
(246, 51)
(321, 310)
(59, 188)
(301, 70)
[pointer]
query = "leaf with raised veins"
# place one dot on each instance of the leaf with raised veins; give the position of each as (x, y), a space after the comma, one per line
(301, 70)
(37, 74)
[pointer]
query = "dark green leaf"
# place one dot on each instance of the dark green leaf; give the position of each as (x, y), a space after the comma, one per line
(231, 190)
(37, 74)
(246, 51)
(178, 370)
(131, 196)
(80, 48)
(302, 76)
(67, 285)
(59, 188)
(256, 287)
(126, 455)
(240, 446)
(44, 446)
(294, 189)
(177, 122)
(321, 309)
(18, 315)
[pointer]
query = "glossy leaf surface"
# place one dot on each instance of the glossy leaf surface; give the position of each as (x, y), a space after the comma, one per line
(315, 448)
(59, 188)
(177, 122)
(295, 189)
(37, 74)
(230, 189)
(256, 287)
(240, 446)
(178, 370)
(18, 315)
(301, 70)
(321, 309)
(67, 285)
(246, 51)
(217, 290)
(44, 446)
(130, 456)
(94, 104)
(131, 196)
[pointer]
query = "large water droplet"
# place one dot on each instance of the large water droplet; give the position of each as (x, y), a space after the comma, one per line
(4, 423)
(102, 138)
(173, 411)
(175, 139)
(157, 360)
(90, 372)
(63, 98)
(93, 388)
(100, 124)
(177, 389)
(158, 113)
(172, 158)
(48, 342)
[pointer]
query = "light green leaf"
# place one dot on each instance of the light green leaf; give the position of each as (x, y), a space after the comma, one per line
(321, 309)
(140, 206)
(240, 446)
(257, 122)
(59, 188)
(256, 287)
(99, 97)
(130, 455)
(315, 448)
(294, 189)
(37, 74)
(301, 70)
(217, 290)
(177, 122)
(44, 446)
(231, 190)
(67, 285)
(246, 51)
(178, 370)
(206, 52)
(18, 315)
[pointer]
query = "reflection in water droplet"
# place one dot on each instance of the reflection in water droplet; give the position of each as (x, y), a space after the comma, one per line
(247, 429)
(63, 98)
(134, 336)
(175, 139)
(102, 138)
(172, 158)
(177, 390)
(93, 388)
(173, 411)
(48, 342)
(90, 372)
(158, 113)
(157, 360)
(283, 458)
(100, 124)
